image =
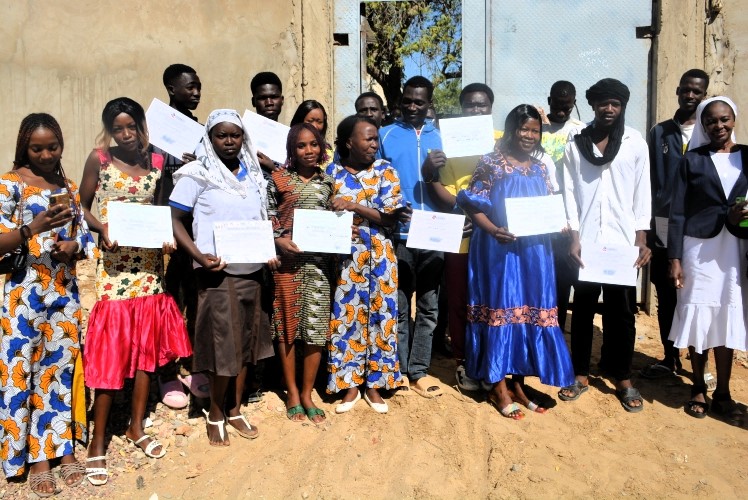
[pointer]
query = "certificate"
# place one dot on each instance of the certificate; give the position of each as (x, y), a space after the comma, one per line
(323, 231)
(172, 131)
(136, 225)
(435, 231)
(661, 227)
(468, 136)
(532, 215)
(244, 241)
(268, 136)
(610, 264)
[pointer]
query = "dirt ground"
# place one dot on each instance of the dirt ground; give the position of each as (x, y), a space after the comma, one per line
(454, 446)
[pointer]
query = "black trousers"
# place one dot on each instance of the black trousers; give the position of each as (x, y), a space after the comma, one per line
(659, 268)
(619, 327)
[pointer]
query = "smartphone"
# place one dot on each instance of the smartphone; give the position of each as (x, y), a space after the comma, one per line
(59, 199)
(743, 223)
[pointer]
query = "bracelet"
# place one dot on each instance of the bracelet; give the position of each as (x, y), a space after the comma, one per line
(25, 232)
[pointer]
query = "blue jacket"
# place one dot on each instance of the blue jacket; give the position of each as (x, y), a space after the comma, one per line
(406, 150)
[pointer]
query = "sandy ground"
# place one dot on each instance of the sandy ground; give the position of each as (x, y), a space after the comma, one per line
(454, 446)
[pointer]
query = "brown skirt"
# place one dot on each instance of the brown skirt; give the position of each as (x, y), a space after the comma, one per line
(233, 322)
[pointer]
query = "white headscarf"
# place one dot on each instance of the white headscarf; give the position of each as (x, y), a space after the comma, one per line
(209, 167)
(700, 137)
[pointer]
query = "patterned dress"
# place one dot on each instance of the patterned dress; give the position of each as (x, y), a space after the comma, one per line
(301, 307)
(134, 324)
(39, 344)
(363, 342)
(512, 312)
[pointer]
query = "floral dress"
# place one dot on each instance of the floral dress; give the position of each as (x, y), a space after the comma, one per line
(301, 306)
(39, 346)
(363, 329)
(134, 324)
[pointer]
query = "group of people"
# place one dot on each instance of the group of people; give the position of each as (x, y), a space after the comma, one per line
(507, 296)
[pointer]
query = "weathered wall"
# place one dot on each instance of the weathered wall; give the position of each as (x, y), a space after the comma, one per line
(705, 34)
(70, 58)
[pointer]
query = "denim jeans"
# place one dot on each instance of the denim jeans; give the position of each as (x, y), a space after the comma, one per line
(419, 272)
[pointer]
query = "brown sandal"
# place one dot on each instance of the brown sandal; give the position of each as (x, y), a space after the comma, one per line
(38, 479)
(67, 470)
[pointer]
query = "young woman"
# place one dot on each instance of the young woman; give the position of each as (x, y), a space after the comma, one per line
(707, 263)
(313, 113)
(301, 308)
(512, 313)
(134, 327)
(41, 312)
(232, 328)
(363, 344)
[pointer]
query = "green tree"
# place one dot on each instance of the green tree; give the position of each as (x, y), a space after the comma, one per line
(427, 29)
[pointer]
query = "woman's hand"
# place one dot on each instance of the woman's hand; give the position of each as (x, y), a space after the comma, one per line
(286, 246)
(64, 250)
(503, 235)
(109, 246)
(275, 263)
(168, 247)
(339, 204)
(355, 233)
(467, 228)
(51, 218)
(738, 213)
(210, 262)
(404, 214)
(676, 273)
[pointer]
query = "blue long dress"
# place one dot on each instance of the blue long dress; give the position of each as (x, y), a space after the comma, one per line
(512, 310)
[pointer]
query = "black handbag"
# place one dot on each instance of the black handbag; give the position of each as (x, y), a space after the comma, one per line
(16, 260)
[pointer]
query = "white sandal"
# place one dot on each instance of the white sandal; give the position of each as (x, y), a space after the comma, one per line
(244, 434)
(221, 426)
(97, 471)
(150, 447)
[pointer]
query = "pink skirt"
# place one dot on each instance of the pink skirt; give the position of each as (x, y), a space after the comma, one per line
(129, 335)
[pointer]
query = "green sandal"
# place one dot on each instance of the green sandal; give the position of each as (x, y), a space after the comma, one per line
(313, 412)
(292, 412)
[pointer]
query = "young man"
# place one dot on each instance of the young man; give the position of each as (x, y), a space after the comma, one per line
(475, 99)
(184, 89)
(267, 99)
(409, 143)
(561, 103)
(667, 143)
(371, 105)
(608, 201)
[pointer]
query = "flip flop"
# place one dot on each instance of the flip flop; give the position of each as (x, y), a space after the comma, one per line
(576, 389)
(253, 432)
(508, 410)
(626, 396)
(691, 407)
(404, 389)
(656, 370)
(294, 410)
(426, 388)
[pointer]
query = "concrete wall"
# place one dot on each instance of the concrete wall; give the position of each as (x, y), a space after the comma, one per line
(707, 34)
(69, 58)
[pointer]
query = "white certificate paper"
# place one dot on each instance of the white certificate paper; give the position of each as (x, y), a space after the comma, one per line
(244, 241)
(610, 264)
(323, 231)
(467, 136)
(268, 137)
(661, 227)
(172, 131)
(435, 231)
(136, 225)
(533, 215)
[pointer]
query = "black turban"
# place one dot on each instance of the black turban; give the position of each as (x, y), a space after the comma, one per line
(608, 88)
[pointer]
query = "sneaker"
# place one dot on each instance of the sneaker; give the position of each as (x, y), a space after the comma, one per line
(464, 382)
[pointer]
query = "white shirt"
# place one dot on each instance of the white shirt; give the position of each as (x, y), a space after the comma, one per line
(210, 204)
(609, 203)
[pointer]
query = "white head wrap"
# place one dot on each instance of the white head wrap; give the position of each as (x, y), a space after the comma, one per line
(700, 137)
(209, 167)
